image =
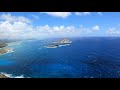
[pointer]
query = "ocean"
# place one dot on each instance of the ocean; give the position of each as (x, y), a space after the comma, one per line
(85, 57)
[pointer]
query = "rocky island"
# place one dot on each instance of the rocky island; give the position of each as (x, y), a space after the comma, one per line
(58, 43)
(63, 41)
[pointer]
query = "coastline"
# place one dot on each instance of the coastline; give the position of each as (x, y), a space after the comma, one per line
(50, 47)
(6, 50)
(5, 75)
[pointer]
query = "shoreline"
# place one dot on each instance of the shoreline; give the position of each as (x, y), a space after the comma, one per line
(6, 50)
(5, 75)
(57, 46)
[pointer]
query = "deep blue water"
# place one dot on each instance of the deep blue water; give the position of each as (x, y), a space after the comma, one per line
(86, 57)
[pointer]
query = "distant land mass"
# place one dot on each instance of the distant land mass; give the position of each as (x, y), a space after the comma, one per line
(58, 43)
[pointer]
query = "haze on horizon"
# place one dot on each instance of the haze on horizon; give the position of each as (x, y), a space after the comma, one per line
(26, 25)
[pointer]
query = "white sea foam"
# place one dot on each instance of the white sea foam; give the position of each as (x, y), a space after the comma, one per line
(51, 47)
(64, 45)
(11, 76)
(10, 50)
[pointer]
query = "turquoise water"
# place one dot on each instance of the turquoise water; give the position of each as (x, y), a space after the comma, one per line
(93, 57)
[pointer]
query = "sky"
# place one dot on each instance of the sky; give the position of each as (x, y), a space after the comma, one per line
(26, 25)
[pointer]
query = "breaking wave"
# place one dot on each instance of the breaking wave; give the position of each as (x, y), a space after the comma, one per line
(64, 45)
(11, 76)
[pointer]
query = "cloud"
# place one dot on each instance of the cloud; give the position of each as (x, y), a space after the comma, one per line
(78, 13)
(82, 13)
(58, 14)
(113, 31)
(87, 13)
(10, 18)
(63, 31)
(16, 28)
(35, 17)
(100, 13)
(90, 30)
(96, 28)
